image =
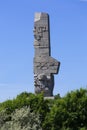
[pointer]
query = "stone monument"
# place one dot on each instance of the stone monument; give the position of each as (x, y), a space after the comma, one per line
(44, 65)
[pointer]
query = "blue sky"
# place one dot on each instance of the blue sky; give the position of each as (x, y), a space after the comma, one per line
(68, 32)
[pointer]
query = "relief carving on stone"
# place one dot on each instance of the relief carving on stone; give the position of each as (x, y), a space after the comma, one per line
(44, 65)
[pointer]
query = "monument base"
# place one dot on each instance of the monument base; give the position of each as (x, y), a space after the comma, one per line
(49, 97)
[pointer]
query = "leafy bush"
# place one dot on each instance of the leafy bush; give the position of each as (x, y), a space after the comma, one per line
(29, 111)
(21, 119)
(68, 113)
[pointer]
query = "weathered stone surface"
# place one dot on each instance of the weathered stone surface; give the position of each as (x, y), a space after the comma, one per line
(44, 65)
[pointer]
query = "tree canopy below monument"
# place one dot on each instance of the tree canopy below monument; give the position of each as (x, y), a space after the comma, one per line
(29, 111)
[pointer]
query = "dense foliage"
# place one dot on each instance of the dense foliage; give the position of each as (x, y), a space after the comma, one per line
(32, 112)
(20, 119)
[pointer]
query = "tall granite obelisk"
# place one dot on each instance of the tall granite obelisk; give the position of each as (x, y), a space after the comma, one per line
(44, 65)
